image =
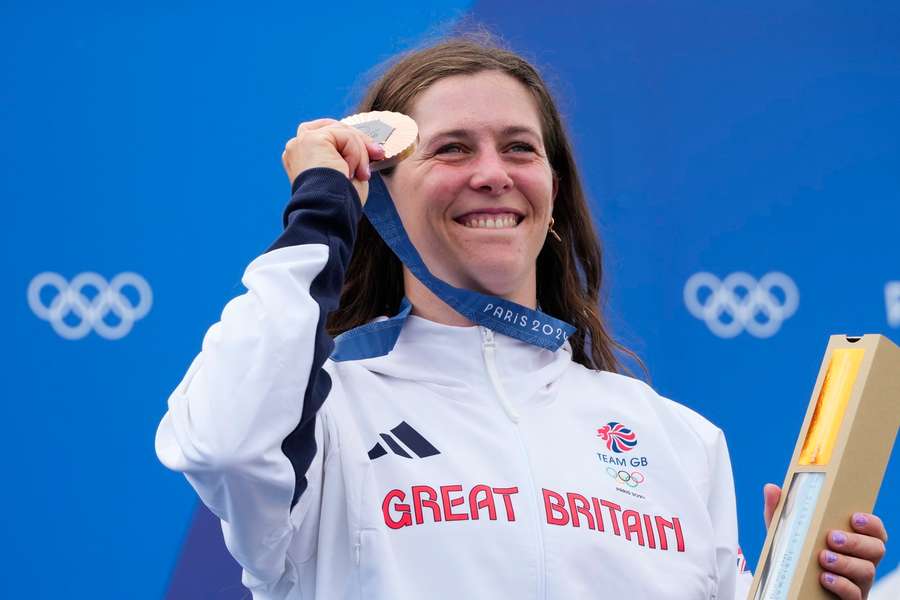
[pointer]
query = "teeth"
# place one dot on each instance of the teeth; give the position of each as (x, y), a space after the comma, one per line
(496, 222)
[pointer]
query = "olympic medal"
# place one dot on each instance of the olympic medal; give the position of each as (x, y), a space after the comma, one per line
(396, 132)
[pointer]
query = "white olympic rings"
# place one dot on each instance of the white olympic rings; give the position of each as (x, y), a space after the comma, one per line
(90, 311)
(892, 302)
(742, 309)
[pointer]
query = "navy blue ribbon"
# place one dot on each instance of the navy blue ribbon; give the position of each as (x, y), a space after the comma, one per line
(502, 316)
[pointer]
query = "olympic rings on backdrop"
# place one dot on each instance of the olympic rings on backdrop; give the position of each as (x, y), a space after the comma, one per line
(633, 479)
(91, 312)
(742, 310)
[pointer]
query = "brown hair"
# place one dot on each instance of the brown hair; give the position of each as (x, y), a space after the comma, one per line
(569, 274)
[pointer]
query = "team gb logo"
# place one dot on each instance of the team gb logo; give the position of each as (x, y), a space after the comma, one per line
(618, 438)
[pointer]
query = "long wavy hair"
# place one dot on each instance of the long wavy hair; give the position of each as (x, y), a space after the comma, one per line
(569, 274)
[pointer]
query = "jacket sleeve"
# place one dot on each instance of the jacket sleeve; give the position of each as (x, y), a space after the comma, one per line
(242, 423)
(723, 513)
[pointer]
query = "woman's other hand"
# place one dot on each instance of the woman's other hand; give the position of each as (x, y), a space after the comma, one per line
(330, 143)
(850, 559)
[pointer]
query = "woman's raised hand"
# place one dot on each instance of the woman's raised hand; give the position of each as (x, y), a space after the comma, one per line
(330, 143)
(851, 557)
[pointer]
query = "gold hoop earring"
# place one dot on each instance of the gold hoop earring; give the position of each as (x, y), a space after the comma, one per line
(552, 232)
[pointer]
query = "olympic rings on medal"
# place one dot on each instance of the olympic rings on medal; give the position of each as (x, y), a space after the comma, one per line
(741, 310)
(632, 479)
(91, 311)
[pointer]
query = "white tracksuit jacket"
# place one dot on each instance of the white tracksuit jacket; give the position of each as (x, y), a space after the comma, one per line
(462, 464)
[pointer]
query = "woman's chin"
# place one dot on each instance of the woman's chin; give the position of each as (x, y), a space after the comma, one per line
(505, 281)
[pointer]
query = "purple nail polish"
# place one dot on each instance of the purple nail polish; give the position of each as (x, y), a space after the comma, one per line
(830, 557)
(860, 520)
(839, 538)
(829, 578)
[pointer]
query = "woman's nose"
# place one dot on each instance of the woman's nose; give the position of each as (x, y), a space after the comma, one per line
(490, 174)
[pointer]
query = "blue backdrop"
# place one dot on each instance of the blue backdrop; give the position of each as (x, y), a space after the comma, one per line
(753, 152)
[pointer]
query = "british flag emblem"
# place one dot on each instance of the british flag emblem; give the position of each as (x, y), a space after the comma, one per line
(741, 561)
(618, 438)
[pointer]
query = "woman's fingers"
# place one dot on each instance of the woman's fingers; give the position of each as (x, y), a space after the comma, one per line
(771, 496)
(362, 168)
(357, 149)
(315, 124)
(868, 524)
(859, 572)
(841, 587)
(376, 150)
(335, 145)
(330, 143)
(348, 145)
(857, 545)
(851, 558)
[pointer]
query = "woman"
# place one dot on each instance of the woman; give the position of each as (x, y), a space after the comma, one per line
(460, 464)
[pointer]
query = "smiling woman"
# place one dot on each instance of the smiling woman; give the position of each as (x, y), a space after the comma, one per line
(456, 462)
(477, 196)
(486, 119)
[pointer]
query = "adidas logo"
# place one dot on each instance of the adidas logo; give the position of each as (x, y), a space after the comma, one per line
(412, 442)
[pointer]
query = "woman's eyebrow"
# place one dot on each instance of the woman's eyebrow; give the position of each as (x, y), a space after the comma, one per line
(467, 133)
(451, 133)
(517, 129)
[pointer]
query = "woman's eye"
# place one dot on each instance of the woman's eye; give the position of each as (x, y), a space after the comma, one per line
(522, 147)
(449, 149)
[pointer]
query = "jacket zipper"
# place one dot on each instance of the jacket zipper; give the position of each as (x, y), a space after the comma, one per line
(490, 350)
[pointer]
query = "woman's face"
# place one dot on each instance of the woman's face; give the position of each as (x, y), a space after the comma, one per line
(477, 195)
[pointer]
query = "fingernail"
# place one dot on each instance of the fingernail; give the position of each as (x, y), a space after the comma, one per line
(860, 520)
(829, 578)
(839, 538)
(830, 557)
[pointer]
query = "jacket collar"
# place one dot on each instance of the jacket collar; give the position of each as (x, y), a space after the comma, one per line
(452, 358)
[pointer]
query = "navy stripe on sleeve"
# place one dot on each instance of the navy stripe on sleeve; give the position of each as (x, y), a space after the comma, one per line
(324, 209)
(324, 204)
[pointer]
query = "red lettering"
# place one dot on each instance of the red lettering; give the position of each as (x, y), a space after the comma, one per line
(631, 523)
(596, 503)
(431, 502)
(679, 537)
(554, 503)
(648, 527)
(403, 509)
(507, 500)
(661, 525)
(449, 503)
(475, 505)
(578, 504)
(613, 508)
(674, 525)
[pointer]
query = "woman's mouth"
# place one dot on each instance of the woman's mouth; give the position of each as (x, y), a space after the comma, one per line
(506, 220)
